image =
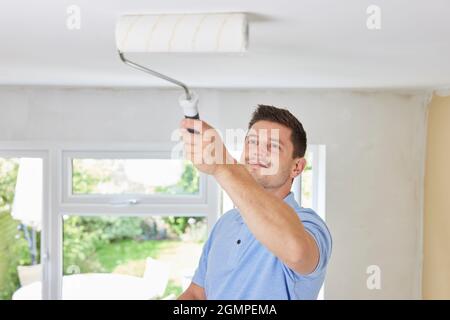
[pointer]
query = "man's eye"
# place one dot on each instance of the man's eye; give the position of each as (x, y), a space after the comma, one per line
(252, 141)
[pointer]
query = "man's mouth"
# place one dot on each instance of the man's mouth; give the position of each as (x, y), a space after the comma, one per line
(258, 164)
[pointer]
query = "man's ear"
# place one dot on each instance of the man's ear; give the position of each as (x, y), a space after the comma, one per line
(299, 166)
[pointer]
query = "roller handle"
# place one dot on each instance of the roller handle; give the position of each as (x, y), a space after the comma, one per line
(190, 108)
(194, 117)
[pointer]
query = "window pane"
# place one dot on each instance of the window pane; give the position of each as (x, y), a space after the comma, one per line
(134, 176)
(20, 222)
(130, 257)
(307, 182)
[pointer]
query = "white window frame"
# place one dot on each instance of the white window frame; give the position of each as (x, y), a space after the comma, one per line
(319, 189)
(197, 202)
(55, 205)
(318, 164)
(20, 150)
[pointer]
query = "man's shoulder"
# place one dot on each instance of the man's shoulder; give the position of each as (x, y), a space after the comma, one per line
(226, 219)
(307, 212)
(309, 216)
(229, 216)
(302, 212)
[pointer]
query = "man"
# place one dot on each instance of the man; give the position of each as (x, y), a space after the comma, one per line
(268, 247)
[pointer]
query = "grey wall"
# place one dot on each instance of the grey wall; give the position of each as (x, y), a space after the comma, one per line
(375, 156)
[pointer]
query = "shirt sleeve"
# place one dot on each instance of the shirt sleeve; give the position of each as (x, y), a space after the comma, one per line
(320, 233)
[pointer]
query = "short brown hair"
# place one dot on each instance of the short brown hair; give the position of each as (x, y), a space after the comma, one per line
(284, 117)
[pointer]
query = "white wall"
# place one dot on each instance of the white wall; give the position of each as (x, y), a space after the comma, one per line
(375, 156)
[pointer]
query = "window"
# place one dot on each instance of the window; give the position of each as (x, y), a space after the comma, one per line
(141, 198)
(21, 196)
(139, 257)
(133, 224)
(134, 176)
(306, 182)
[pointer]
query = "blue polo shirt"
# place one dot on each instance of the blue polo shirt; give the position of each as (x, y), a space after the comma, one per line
(236, 266)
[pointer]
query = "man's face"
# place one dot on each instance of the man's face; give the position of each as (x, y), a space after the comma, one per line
(268, 155)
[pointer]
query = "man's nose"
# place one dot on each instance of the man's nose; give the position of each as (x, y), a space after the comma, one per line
(262, 151)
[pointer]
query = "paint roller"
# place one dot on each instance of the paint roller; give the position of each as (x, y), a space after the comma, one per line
(181, 33)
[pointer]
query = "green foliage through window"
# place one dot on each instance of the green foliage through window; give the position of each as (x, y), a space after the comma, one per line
(94, 244)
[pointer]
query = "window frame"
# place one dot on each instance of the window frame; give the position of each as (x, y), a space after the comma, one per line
(204, 205)
(54, 207)
(20, 150)
(318, 163)
(162, 203)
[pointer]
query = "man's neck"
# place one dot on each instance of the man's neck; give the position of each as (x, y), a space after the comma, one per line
(280, 192)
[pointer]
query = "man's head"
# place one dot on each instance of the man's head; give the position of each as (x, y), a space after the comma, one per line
(275, 147)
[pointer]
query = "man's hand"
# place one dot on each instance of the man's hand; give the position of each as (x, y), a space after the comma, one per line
(205, 147)
(193, 292)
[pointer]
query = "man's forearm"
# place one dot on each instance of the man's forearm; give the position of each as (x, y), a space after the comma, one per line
(273, 222)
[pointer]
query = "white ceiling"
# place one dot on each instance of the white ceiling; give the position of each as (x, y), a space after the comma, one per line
(313, 44)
